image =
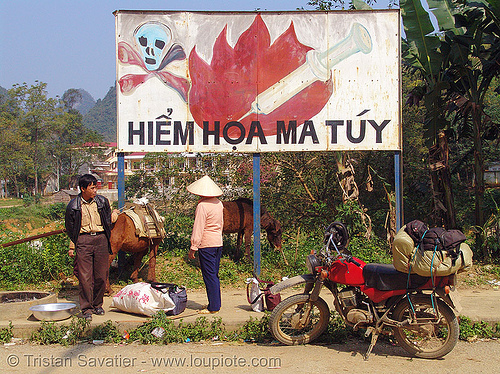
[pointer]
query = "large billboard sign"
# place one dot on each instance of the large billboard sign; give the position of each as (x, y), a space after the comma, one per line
(258, 81)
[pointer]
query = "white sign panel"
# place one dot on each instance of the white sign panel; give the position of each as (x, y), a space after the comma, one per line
(258, 81)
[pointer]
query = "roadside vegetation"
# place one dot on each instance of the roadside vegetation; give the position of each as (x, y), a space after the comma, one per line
(162, 330)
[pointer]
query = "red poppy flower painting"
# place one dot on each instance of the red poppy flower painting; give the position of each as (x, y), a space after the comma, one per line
(225, 89)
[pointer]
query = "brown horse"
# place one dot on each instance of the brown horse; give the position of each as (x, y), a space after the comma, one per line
(238, 218)
(124, 237)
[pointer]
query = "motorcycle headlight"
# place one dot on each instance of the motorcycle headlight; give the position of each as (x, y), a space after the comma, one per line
(312, 262)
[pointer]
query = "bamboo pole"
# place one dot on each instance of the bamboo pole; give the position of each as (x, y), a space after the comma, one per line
(30, 238)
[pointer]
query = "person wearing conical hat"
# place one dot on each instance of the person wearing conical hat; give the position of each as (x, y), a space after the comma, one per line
(206, 238)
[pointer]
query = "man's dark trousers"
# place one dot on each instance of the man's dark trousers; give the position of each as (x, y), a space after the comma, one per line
(93, 266)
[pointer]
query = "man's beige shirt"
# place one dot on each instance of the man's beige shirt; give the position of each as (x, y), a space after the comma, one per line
(91, 220)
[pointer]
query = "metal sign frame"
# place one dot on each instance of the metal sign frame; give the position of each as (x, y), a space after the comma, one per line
(258, 81)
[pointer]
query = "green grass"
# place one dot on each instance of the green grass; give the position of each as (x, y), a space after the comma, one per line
(10, 202)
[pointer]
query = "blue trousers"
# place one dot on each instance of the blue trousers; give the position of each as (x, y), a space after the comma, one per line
(209, 264)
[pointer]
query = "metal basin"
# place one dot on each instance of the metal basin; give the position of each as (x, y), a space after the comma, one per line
(53, 311)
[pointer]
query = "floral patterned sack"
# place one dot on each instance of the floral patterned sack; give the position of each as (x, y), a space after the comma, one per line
(142, 298)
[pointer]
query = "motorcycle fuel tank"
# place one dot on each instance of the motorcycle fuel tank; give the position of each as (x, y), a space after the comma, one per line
(347, 273)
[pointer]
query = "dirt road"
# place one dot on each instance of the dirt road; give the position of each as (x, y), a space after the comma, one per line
(478, 357)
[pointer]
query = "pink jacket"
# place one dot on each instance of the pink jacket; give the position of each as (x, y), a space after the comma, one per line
(208, 223)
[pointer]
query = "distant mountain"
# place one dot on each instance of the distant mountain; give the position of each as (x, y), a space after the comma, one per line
(3, 93)
(86, 103)
(102, 116)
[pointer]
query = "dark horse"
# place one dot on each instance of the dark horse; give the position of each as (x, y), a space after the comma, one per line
(238, 218)
(124, 237)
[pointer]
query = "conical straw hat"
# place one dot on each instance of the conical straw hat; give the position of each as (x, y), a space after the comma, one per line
(204, 187)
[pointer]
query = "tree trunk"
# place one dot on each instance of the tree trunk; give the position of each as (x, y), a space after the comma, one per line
(36, 181)
(35, 159)
(347, 182)
(444, 209)
(16, 187)
(450, 219)
(350, 190)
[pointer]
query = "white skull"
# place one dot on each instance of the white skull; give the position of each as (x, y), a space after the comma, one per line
(153, 40)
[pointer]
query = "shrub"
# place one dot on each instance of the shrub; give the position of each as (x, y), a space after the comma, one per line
(254, 330)
(52, 333)
(178, 239)
(474, 330)
(373, 250)
(201, 329)
(107, 332)
(54, 211)
(29, 264)
(6, 334)
(197, 331)
(28, 199)
(337, 331)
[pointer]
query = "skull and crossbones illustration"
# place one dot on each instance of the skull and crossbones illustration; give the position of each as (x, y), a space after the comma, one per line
(154, 50)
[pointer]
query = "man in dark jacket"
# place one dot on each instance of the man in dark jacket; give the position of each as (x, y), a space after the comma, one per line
(88, 224)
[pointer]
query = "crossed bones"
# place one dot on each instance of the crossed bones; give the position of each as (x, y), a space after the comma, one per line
(129, 82)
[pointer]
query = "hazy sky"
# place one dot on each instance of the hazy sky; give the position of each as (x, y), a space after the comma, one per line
(71, 43)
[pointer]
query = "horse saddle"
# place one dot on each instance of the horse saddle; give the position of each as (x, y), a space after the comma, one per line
(148, 223)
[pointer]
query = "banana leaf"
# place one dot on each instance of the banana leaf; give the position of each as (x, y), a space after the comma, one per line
(422, 51)
(422, 41)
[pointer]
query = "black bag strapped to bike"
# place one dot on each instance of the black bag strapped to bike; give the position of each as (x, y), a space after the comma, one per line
(416, 230)
(435, 238)
(177, 293)
(255, 293)
(443, 240)
(428, 252)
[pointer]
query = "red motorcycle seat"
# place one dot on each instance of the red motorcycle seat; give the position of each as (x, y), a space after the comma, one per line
(385, 277)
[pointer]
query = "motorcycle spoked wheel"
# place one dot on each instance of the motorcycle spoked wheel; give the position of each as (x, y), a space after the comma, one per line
(427, 340)
(285, 323)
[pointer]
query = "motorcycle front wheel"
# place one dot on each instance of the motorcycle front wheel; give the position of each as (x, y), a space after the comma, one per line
(434, 332)
(290, 325)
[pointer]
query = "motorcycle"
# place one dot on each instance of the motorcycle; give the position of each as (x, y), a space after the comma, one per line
(375, 297)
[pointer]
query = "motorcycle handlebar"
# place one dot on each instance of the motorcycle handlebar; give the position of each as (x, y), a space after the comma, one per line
(354, 262)
(349, 258)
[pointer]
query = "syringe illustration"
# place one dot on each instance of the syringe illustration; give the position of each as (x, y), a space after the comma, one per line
(316, 68)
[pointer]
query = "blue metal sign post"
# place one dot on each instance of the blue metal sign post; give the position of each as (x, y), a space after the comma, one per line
(256, 213)
(121, 180)
(398, 186)
(121, 198)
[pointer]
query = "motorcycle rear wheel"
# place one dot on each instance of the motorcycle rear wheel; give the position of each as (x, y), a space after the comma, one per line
(285, 324)
(434, 335)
